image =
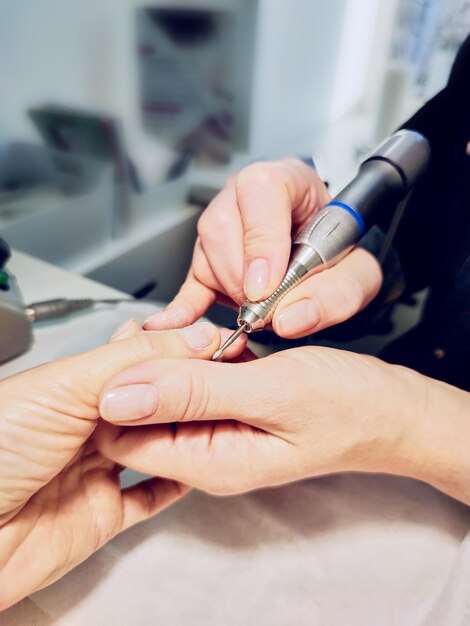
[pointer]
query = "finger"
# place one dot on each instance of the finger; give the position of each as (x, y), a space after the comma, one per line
(189, 305)
(145, 500)
(128, 329)
(330, 297)
(267, 195)
(220, 231)
(222, 458)
(213, 428)
(78, 380)
(197, 294)
(244, 357)
(193, 391)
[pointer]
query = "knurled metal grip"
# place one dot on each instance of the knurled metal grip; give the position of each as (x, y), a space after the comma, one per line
(320, 244)
(257, 315)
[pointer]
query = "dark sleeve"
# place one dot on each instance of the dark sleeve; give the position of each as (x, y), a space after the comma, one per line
(424, 251)
(434, 217)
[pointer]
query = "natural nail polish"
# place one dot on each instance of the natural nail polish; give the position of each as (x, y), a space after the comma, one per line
(257, 279)
(298, 318)
(131, 402)
(198, 336)
(166, 319)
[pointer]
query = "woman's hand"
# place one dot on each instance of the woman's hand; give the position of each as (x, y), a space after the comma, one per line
(60, 498)
(228, 428)
(243, 249)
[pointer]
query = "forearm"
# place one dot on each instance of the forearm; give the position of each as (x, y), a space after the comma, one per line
(433, 444)
(443, 434)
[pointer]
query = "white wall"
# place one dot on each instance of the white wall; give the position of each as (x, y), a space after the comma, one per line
(75, 53)
(312, 65)
(53, 50)
(295, 67)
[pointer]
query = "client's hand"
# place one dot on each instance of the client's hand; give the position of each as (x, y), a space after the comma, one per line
(295, 414)
(60, 499)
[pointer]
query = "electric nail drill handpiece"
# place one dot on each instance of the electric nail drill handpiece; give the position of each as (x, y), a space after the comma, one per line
(383, 180)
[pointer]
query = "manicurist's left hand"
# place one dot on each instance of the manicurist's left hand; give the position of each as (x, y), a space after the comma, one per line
(60, 498)
(232, 427)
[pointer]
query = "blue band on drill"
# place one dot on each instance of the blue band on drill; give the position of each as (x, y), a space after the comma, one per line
(353, 213)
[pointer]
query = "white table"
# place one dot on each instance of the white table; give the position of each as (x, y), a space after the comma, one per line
(348, 549)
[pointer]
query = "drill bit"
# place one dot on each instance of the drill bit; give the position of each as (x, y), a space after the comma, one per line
(233, 337)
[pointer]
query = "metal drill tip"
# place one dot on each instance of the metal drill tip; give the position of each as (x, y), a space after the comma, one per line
(240, 330)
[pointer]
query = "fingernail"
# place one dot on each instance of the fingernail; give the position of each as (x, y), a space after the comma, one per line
(156, 317)
(298, 318)
(198, 336)
(256, 279)
(163, 320)
(131, 402)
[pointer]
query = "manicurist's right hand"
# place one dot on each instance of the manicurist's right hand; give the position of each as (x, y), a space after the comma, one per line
(243, 249)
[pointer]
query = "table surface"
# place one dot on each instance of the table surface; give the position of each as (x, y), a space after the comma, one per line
(347, 549)
(38, 281)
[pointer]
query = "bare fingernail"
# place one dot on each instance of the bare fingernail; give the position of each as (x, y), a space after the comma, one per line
(298, 318)
(128, 403)
(163, 320)
(256, 279)
(198, 336)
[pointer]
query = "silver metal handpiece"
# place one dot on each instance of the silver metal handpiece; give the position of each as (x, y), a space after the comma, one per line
(383, 180)
(319, 245)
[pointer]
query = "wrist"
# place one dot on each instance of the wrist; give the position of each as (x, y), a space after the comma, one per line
(441, 439)
(426, 432)
(385, 415)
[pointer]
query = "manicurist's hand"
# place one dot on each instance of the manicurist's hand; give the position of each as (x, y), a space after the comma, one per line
(243, 248)
(60, 498)
(228, 428)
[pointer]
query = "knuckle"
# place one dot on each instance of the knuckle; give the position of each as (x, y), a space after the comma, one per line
(146, 345)
(212, 222)
(203, 226)
(203, 273)
(194, 399)
(261, 173)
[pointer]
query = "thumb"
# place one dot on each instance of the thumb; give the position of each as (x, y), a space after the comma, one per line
(70, 387)
(225, 414)
(187, 391)
(329, 297)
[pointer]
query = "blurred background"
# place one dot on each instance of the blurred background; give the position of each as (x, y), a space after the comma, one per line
(120, 119)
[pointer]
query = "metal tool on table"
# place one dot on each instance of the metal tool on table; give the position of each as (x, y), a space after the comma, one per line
(59, 308)
(383, 180)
